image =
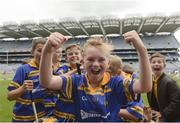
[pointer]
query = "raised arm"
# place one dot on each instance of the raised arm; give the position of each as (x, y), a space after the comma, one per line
(144, 84)
(47, 79)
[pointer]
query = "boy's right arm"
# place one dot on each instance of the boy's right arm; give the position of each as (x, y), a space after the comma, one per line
(47, 79)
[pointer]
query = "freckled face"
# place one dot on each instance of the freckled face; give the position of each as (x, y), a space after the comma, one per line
(95, 63)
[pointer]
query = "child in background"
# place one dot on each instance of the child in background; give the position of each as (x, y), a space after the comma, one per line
(133, 110)
(65, 108)
(50, 97)
(73, 55)
(164, 98)
(97, 95)
(26, 79)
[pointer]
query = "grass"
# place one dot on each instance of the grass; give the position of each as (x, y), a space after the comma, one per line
(6, 106)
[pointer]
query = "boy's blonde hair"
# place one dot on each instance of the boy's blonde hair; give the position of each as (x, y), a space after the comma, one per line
(98, 43)
(115, 64)
(115, 61)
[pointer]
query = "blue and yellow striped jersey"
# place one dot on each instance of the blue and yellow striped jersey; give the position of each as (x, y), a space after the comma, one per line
(136, 108)
(65, 108)
(23, 110)
(135, 103)
(98, 104)
(62, 69)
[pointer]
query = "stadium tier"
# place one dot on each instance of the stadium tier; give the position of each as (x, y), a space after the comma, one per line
(155, 31)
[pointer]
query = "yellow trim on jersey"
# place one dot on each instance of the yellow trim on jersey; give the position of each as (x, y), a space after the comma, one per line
(64, 115)
(105, 80)
(65, 100)
(97, 90)
(33, 73)
(68, 87)
(27, 101)
(137, 109)
(127, 75)
(49, 104)
(14, 84)
(126, 87)
(32, 63)
(28, 118)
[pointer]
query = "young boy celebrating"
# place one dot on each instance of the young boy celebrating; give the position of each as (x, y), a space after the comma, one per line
(97, 95)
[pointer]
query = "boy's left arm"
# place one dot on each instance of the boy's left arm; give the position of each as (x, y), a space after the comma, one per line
(145, 82)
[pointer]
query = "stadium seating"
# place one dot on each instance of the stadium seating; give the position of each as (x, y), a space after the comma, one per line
(18, 51)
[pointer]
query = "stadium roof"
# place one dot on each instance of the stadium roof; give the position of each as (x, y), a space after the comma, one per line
(89, 26)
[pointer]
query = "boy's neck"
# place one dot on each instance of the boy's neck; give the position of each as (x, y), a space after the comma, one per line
(95, 82)
(73, 66)
(157, 75)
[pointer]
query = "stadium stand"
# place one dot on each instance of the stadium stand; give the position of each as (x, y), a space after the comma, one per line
(155, 31)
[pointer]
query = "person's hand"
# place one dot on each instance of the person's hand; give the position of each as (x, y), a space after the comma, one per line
(147, 113)
(133, 38)
(156, 115)
(55, 40)
(27, 85)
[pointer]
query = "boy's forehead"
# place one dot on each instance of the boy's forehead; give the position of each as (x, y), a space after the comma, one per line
(157, 58)
(95, 52)
(38, 46)
(72, 48)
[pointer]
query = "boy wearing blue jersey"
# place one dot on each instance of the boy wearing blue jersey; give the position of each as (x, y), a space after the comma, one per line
(65, 108)
(97, 95)
(25, 80)
(73, 55)
(133, 110)
(51, 96)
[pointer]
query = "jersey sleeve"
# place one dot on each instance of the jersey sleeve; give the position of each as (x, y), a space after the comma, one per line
(69, 83)
(18, 79)
(60, 70)
(136, 108)
(128, 88)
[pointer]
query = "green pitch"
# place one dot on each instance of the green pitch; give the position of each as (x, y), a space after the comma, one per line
(5, 105)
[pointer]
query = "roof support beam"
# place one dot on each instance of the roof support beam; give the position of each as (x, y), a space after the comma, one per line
(44, 28)
(5, 27)
(82, 27)
(29, 30)
(120, 27)
(141, 25)
(66, 30)
(162, 24)
(102, 29)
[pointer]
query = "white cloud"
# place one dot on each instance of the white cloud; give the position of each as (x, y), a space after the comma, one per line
(19, 10)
